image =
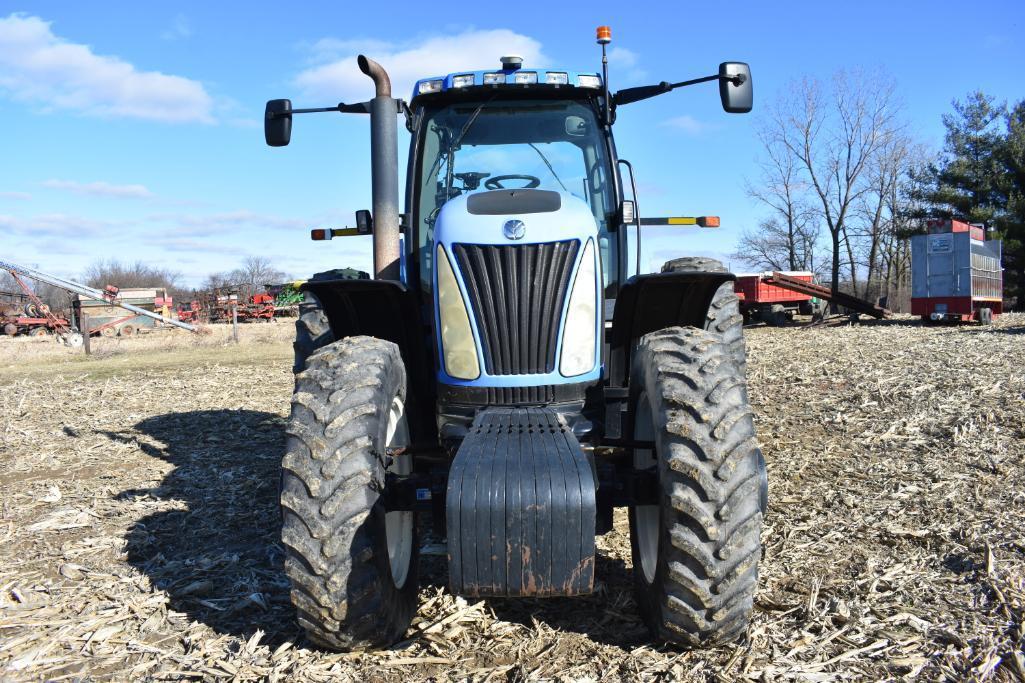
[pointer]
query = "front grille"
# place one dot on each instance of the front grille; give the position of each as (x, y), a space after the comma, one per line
(513, 396)
(517, 294)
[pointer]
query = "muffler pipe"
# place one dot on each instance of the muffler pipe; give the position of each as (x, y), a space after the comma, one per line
(376, 72)
(384, 171)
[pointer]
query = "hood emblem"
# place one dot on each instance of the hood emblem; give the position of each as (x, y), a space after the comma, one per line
(514, 229)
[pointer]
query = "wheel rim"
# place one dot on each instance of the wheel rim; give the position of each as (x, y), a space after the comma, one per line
(646, 517)
(399, 525)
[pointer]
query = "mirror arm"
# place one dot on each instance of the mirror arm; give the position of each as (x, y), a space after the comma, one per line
(359, 108)
(630, 95)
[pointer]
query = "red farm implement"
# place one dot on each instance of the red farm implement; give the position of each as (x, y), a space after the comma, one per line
(38, 320)
(763, 299)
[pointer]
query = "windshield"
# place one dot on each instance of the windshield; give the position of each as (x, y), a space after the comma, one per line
(494, 144)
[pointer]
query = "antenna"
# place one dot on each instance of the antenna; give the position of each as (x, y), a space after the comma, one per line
(604, 37)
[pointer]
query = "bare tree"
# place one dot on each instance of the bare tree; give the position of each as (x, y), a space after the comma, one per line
(251, 277)
(257, 271)
(873, 218)
(101, 273)
(787, 239)
(776, 245)
(834, 137)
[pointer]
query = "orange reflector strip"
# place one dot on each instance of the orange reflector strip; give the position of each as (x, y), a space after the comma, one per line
(708, 221)
(604, 34)
(319, 234)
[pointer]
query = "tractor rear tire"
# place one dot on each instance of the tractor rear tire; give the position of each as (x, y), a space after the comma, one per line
(312, 331)
(352, 565)
(695, 553)
(724, 317)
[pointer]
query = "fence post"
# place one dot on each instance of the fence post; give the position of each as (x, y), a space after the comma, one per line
(85, 334)
(234, 320)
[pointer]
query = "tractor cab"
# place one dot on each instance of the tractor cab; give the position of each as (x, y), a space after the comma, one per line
(509, 131)
(510, 373)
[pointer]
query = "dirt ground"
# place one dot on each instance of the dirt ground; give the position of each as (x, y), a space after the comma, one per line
(139, 527)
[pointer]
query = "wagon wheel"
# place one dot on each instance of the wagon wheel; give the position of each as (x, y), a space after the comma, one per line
(37, 332)
(127, 331)
(108, 332)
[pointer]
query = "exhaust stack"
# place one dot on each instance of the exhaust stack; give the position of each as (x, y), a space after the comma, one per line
(384, 171)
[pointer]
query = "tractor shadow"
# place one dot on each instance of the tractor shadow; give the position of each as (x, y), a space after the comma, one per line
(214, 545)
(217, 554)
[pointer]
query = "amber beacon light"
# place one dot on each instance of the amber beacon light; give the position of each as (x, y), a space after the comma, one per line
(604, 35)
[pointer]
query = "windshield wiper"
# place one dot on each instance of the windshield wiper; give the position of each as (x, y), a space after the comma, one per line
(549, 165)
(455, 143)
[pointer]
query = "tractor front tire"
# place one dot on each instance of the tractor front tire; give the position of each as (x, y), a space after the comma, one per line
(352, 564)
(724, 317)
(695, 552)
(312, 331)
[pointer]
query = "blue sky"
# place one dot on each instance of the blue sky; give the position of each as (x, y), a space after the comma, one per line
(133, 130)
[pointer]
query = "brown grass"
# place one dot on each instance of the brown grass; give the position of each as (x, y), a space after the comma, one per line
(138, 535)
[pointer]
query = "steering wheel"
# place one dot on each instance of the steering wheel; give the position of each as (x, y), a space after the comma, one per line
(495, 183)
(471, 179)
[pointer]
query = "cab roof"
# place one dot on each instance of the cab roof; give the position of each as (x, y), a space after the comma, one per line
(506, 79)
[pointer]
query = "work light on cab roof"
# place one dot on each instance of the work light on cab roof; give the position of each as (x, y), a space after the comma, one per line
(512, 371)
(512, 74)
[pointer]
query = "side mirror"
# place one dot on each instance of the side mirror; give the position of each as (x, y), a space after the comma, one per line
(277, 123)
(364, 222)
(735, 90)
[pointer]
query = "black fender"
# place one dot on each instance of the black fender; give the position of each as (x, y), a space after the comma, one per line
(654, 301)
(386, 309)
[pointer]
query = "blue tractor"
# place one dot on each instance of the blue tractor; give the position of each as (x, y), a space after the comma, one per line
(509, 376)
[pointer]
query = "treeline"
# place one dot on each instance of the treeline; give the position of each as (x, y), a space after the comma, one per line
(251, 277)
(845, 183)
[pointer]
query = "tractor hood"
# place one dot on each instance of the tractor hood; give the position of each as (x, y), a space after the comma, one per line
(514, 217)
(517, 287)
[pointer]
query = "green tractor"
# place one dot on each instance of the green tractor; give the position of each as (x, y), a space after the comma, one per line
(509, 374)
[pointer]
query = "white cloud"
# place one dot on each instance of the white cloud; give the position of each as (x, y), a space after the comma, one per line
(20, 196)
(100, 189)
(54, 225)
(195, 225)
(689, 125)
(179, 30)
(341, 79)
(39, 67)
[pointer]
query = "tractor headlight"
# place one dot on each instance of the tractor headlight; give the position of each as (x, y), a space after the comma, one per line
(458, 349)
(578, 334)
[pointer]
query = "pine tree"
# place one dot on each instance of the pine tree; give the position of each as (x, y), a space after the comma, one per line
(966, 183)
(980, 178)
(1011, 222)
